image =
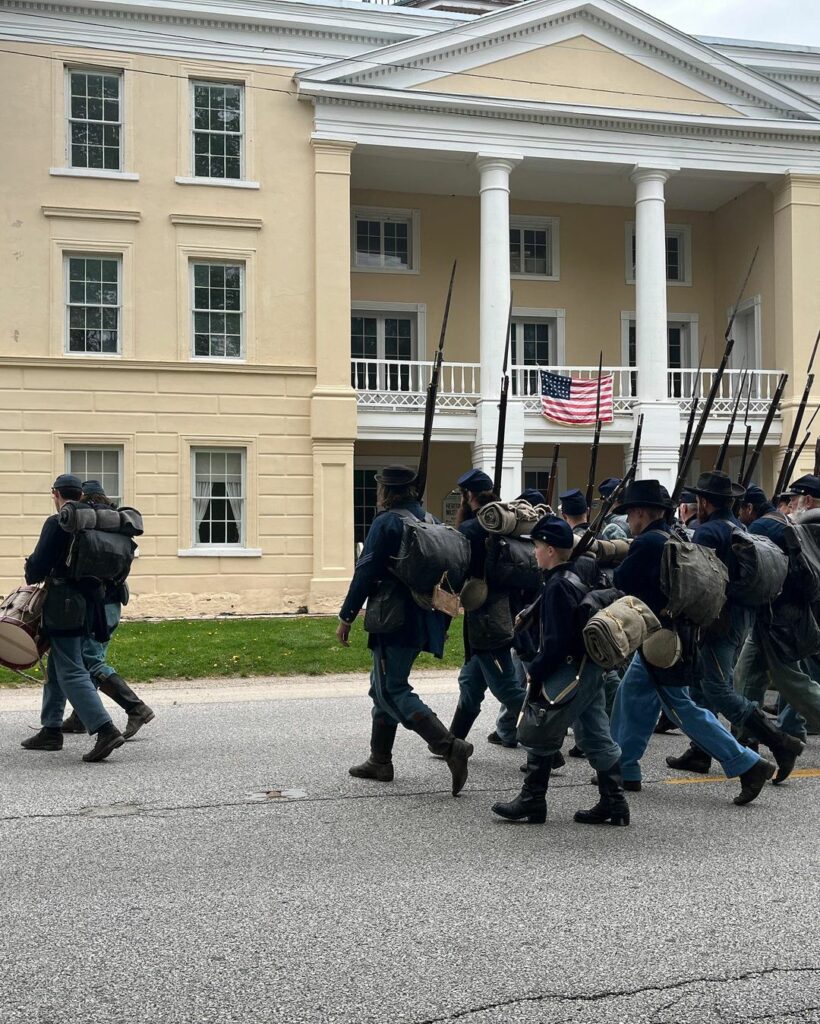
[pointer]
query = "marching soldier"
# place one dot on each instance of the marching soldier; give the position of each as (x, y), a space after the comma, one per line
(488, 634)
(645, 690)
(688, 511)
(719, 649)
(763, 659)
(574, 510)
(560, 660)
(398, 631)
(615, 527)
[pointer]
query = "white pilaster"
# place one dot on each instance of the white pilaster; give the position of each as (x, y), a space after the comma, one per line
(494, 307)
(661, 428)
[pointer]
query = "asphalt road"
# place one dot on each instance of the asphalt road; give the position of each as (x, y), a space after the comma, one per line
(170, 884)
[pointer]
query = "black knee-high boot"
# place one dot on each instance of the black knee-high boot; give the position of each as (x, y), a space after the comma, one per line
(612, 807)
(785, 748)
(531, 803)
(379, 765)
(456, 752)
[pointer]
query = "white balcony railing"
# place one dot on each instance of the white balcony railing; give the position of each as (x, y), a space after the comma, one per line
(402, 384)
(761, 384)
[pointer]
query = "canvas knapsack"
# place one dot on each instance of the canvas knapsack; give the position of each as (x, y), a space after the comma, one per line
(693, 580)
(101, 546)
(428, 552)
(758, 569)
(802, 542)
(511, 564)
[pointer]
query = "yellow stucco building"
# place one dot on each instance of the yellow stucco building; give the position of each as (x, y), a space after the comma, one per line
(227, 234)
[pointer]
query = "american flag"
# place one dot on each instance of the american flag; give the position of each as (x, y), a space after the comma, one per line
(571, 401)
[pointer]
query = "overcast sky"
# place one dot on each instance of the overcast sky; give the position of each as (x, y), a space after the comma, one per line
(782, 21)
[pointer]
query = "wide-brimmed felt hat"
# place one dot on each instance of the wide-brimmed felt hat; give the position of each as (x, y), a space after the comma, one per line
(807, 485)
(644, 494)
(715, 484)
(475, 480)
(396, 476)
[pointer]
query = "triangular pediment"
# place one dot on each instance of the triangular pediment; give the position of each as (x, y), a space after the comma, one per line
(590, 53)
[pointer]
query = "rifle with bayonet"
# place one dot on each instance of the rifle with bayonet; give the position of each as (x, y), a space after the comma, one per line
(593, 461)
(432, 394)
(748, 437)
(693, 409)
(764, 431)
(553, 475)
(723, 451)
(785, 468)
(502, 408)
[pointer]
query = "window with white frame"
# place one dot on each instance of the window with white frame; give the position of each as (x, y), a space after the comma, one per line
(217, 118)
(534, 247)
(97, 462)
(678, 253)
(385, 240)
(679, 349)
(380, 342)
(217, 309)
(94, 108)
(218, 496)
(364, 501)
(93, 296)
(531, 344)
(536, 474)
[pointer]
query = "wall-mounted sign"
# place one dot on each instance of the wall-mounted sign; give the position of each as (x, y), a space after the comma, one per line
(450, 506)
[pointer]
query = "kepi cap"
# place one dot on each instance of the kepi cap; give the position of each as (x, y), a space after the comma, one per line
(553, 530)
(475, 480)
(573, 503)
(755, 496)
(93, 487)
(808, 484)
(532, 496)
(67, 480)
(606, 487)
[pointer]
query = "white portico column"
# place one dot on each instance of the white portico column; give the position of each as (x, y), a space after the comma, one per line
(661, 428)
(494, 307)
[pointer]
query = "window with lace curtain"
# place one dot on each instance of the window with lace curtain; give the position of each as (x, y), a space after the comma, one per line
(218, 496)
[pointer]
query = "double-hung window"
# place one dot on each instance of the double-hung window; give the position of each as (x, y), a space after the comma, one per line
(97, 462)
(217, 307)
(218, 497)
(678, 254)
(381, 343)
(94, 101)
(534, 247)
(531, 344)
(385, 240)
(217, 130)
(93, 286)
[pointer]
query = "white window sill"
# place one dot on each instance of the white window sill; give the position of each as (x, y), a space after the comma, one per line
(218, 359)
(535, 277)
(93, 355)
(219, 551)
(384, 270)
(218, 182)
(92, 172)
(669, 284)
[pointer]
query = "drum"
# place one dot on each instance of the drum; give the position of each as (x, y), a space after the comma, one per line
(21, 617)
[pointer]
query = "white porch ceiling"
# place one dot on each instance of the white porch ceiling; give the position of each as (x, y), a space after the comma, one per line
(435, 173)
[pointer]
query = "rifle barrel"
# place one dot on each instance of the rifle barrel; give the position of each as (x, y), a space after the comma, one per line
(798, 419)
(764, 430)
(724, 448)
(593, 460)
(502, 407)
(553, 475)
(736, 306)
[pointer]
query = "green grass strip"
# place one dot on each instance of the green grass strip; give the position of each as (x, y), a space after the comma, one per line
(202, 648)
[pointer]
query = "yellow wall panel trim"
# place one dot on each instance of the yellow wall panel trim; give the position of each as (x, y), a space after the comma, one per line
(90, 213)
(98, 362)
(215, 221)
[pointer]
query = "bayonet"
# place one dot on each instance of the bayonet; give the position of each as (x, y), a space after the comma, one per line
(593, 461)
(502, 407)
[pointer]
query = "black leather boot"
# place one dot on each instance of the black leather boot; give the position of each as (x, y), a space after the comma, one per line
(108, 739)
(45, 739)
(665, 723)
(440, 740)
(692, 760)
(73, 723)
(785, 748)
(379, 765)
(753, 781)
(139, 714)
(612, 807)
(531, 803)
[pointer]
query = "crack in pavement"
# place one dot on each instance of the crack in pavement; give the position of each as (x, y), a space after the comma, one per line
(596, 997)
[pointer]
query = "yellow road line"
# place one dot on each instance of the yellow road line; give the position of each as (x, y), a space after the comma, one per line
(798, 773)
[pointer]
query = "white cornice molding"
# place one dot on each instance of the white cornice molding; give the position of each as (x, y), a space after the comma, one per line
(215, 221)
(93, 213)
(653, 37)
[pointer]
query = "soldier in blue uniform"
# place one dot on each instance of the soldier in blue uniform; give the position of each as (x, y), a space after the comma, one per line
(615, 527)
(762, 659)
(574, 510)
(412, 631)
(719, 649)
(488, 663)
(645, 690)
(560, 660)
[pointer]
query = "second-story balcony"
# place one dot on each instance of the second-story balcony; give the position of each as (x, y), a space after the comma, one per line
(397, 385)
